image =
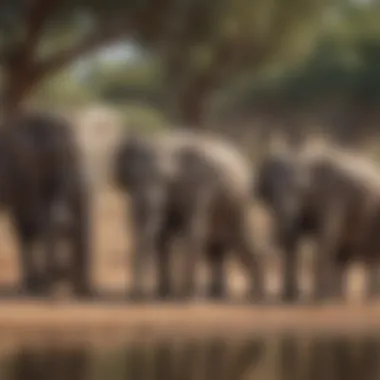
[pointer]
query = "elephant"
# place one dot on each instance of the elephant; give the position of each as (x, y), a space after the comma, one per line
(331, 195)
(44, 190)
(196, 186)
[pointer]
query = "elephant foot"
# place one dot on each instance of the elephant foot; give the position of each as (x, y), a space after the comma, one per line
(33, 292)
(372, 293)
(33, 286)
(186, 295)
(290, 298)
(136, 295)
(82, 291)
(318, 298)
(256, 296)
(217, 292)
(372, 296)
(321, 293)
(164, 293)
(330, 291)
(322, 299)
(290, 293)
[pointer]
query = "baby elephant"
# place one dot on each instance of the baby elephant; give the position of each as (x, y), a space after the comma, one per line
(44, 190)
(332, 196)
(195, 186)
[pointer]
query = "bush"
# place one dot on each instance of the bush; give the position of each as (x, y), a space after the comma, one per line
(142, 118)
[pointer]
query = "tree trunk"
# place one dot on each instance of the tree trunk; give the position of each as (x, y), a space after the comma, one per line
(19, 69)
(193, 100)
(18, 86)
(191, 109)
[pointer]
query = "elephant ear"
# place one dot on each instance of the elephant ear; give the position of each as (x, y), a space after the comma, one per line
(278, 143)
(304, 177)
(314, 142)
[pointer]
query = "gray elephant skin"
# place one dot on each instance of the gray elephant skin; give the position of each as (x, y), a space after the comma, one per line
(333, 196)
(194, 186)
(43, 189)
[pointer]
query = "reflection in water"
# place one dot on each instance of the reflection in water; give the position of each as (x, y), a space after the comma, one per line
(287, 357)
(47, 364)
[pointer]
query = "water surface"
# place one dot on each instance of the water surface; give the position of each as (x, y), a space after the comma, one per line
(277, 357)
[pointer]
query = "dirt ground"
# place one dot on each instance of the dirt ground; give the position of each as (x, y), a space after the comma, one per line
(110, 272)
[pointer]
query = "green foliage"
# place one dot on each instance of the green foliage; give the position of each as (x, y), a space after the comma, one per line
(65, 90)
(344, 65)
(62, 89)
(242, 36)
(120, 82)
(142, 118)
(195, 47)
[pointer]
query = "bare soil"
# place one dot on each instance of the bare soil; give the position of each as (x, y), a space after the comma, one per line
(110, 272)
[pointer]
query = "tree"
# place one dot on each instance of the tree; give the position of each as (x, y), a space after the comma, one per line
(336, 88)
(201, 44)
(40, 37)
(136, 81)
(233, 37)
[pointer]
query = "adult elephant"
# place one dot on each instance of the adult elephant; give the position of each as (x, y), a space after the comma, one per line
(43, 188)
(193, 185)
(332, 196)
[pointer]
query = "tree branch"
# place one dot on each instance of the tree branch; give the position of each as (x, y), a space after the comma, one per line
(23, 53)
(35, 19)
(87, 45)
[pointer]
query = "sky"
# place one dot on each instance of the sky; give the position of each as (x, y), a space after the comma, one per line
(124, 51)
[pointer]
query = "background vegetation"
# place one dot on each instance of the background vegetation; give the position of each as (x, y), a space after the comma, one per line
(243, 66)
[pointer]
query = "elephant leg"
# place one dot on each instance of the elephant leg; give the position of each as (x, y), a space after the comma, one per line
(195, 233)
(331, 280)
(138, 261)
(163, 256)
(251, 260)
(327, 248)
(147, 217)
(81, 249)
(255, 270)
(51, 236)
(50, 254)
(373, 280)
(340, 264)
(194, 245)
(324, 276)
(290, 285)
(338, 282)
(138, 254)
(30, 276)
(288, 236)
(216, 253)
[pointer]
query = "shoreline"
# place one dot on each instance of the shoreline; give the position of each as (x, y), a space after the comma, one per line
(70, 316)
